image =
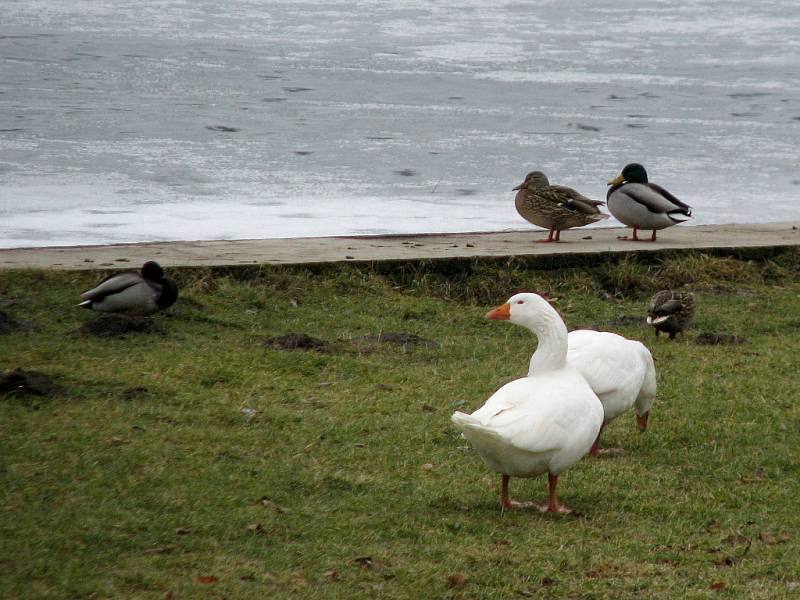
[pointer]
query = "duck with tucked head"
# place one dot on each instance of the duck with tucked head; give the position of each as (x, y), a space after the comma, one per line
(543, 423)
(554, 207)
(639, 204)
(133, 294)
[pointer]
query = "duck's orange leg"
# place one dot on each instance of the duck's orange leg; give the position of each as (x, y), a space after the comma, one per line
(636, 238)
(633, 237)
(550, 237)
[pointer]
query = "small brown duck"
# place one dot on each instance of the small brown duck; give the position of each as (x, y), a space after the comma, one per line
(554, 207)
(670, 312)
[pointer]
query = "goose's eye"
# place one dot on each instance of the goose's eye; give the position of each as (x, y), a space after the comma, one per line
(520, 301)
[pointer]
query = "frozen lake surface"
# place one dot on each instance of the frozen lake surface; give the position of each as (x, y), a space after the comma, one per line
(193, 119)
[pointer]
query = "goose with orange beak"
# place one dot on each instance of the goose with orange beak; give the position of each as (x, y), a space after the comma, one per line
(620, 371)
(542, 423)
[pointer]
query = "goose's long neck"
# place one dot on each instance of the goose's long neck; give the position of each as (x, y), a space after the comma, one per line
(551, 353)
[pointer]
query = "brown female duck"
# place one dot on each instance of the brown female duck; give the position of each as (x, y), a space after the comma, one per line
(670, 312)
(554, 207)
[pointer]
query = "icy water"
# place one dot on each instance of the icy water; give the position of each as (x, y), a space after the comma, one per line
(159, 120)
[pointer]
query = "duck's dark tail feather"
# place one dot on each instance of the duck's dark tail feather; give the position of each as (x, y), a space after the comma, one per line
(673, 215)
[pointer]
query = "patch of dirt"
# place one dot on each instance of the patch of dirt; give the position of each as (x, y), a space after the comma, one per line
(297, 341)
(19, 382)
(8, 325)
(719, 339)
(411, 315)
(117, 326)
(400, 338)
(135, 393)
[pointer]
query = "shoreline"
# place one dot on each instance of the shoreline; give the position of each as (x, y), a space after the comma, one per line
(410, 247)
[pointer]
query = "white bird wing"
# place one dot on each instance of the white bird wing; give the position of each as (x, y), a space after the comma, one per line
(612, 366)
(532, 415)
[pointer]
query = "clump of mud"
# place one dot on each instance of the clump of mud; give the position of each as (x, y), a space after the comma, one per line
(719, 339)
(9, 325)
(20, 383)
(399, 338)
(297, 341)
(135, 393)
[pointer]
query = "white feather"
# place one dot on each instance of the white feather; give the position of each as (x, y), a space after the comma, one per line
(620, 371)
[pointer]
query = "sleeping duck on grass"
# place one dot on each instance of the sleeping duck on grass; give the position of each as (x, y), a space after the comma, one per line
(133, 294)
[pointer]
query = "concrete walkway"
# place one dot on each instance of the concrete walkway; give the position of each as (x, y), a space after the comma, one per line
(406, 247)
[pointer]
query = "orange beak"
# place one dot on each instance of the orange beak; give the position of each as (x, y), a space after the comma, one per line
(642, 420)
(501, 313)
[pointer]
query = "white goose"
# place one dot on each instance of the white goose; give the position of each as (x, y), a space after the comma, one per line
(620, 371)
(541, 423)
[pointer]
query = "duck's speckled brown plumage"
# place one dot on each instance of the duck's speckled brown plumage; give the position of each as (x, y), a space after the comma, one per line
(554, 207)
(675, 308)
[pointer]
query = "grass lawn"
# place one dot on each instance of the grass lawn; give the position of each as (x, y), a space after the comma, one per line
(193, 461)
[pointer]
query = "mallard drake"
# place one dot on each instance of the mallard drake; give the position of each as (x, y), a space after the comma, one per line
(543, 423)
(670, 312)
(133, 294)
(643, 205)
(554, 207)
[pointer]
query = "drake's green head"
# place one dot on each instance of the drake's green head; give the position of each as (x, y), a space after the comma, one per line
(632, 173)
(152, 270)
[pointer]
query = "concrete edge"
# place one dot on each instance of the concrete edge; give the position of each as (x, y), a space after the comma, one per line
(579, 245)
